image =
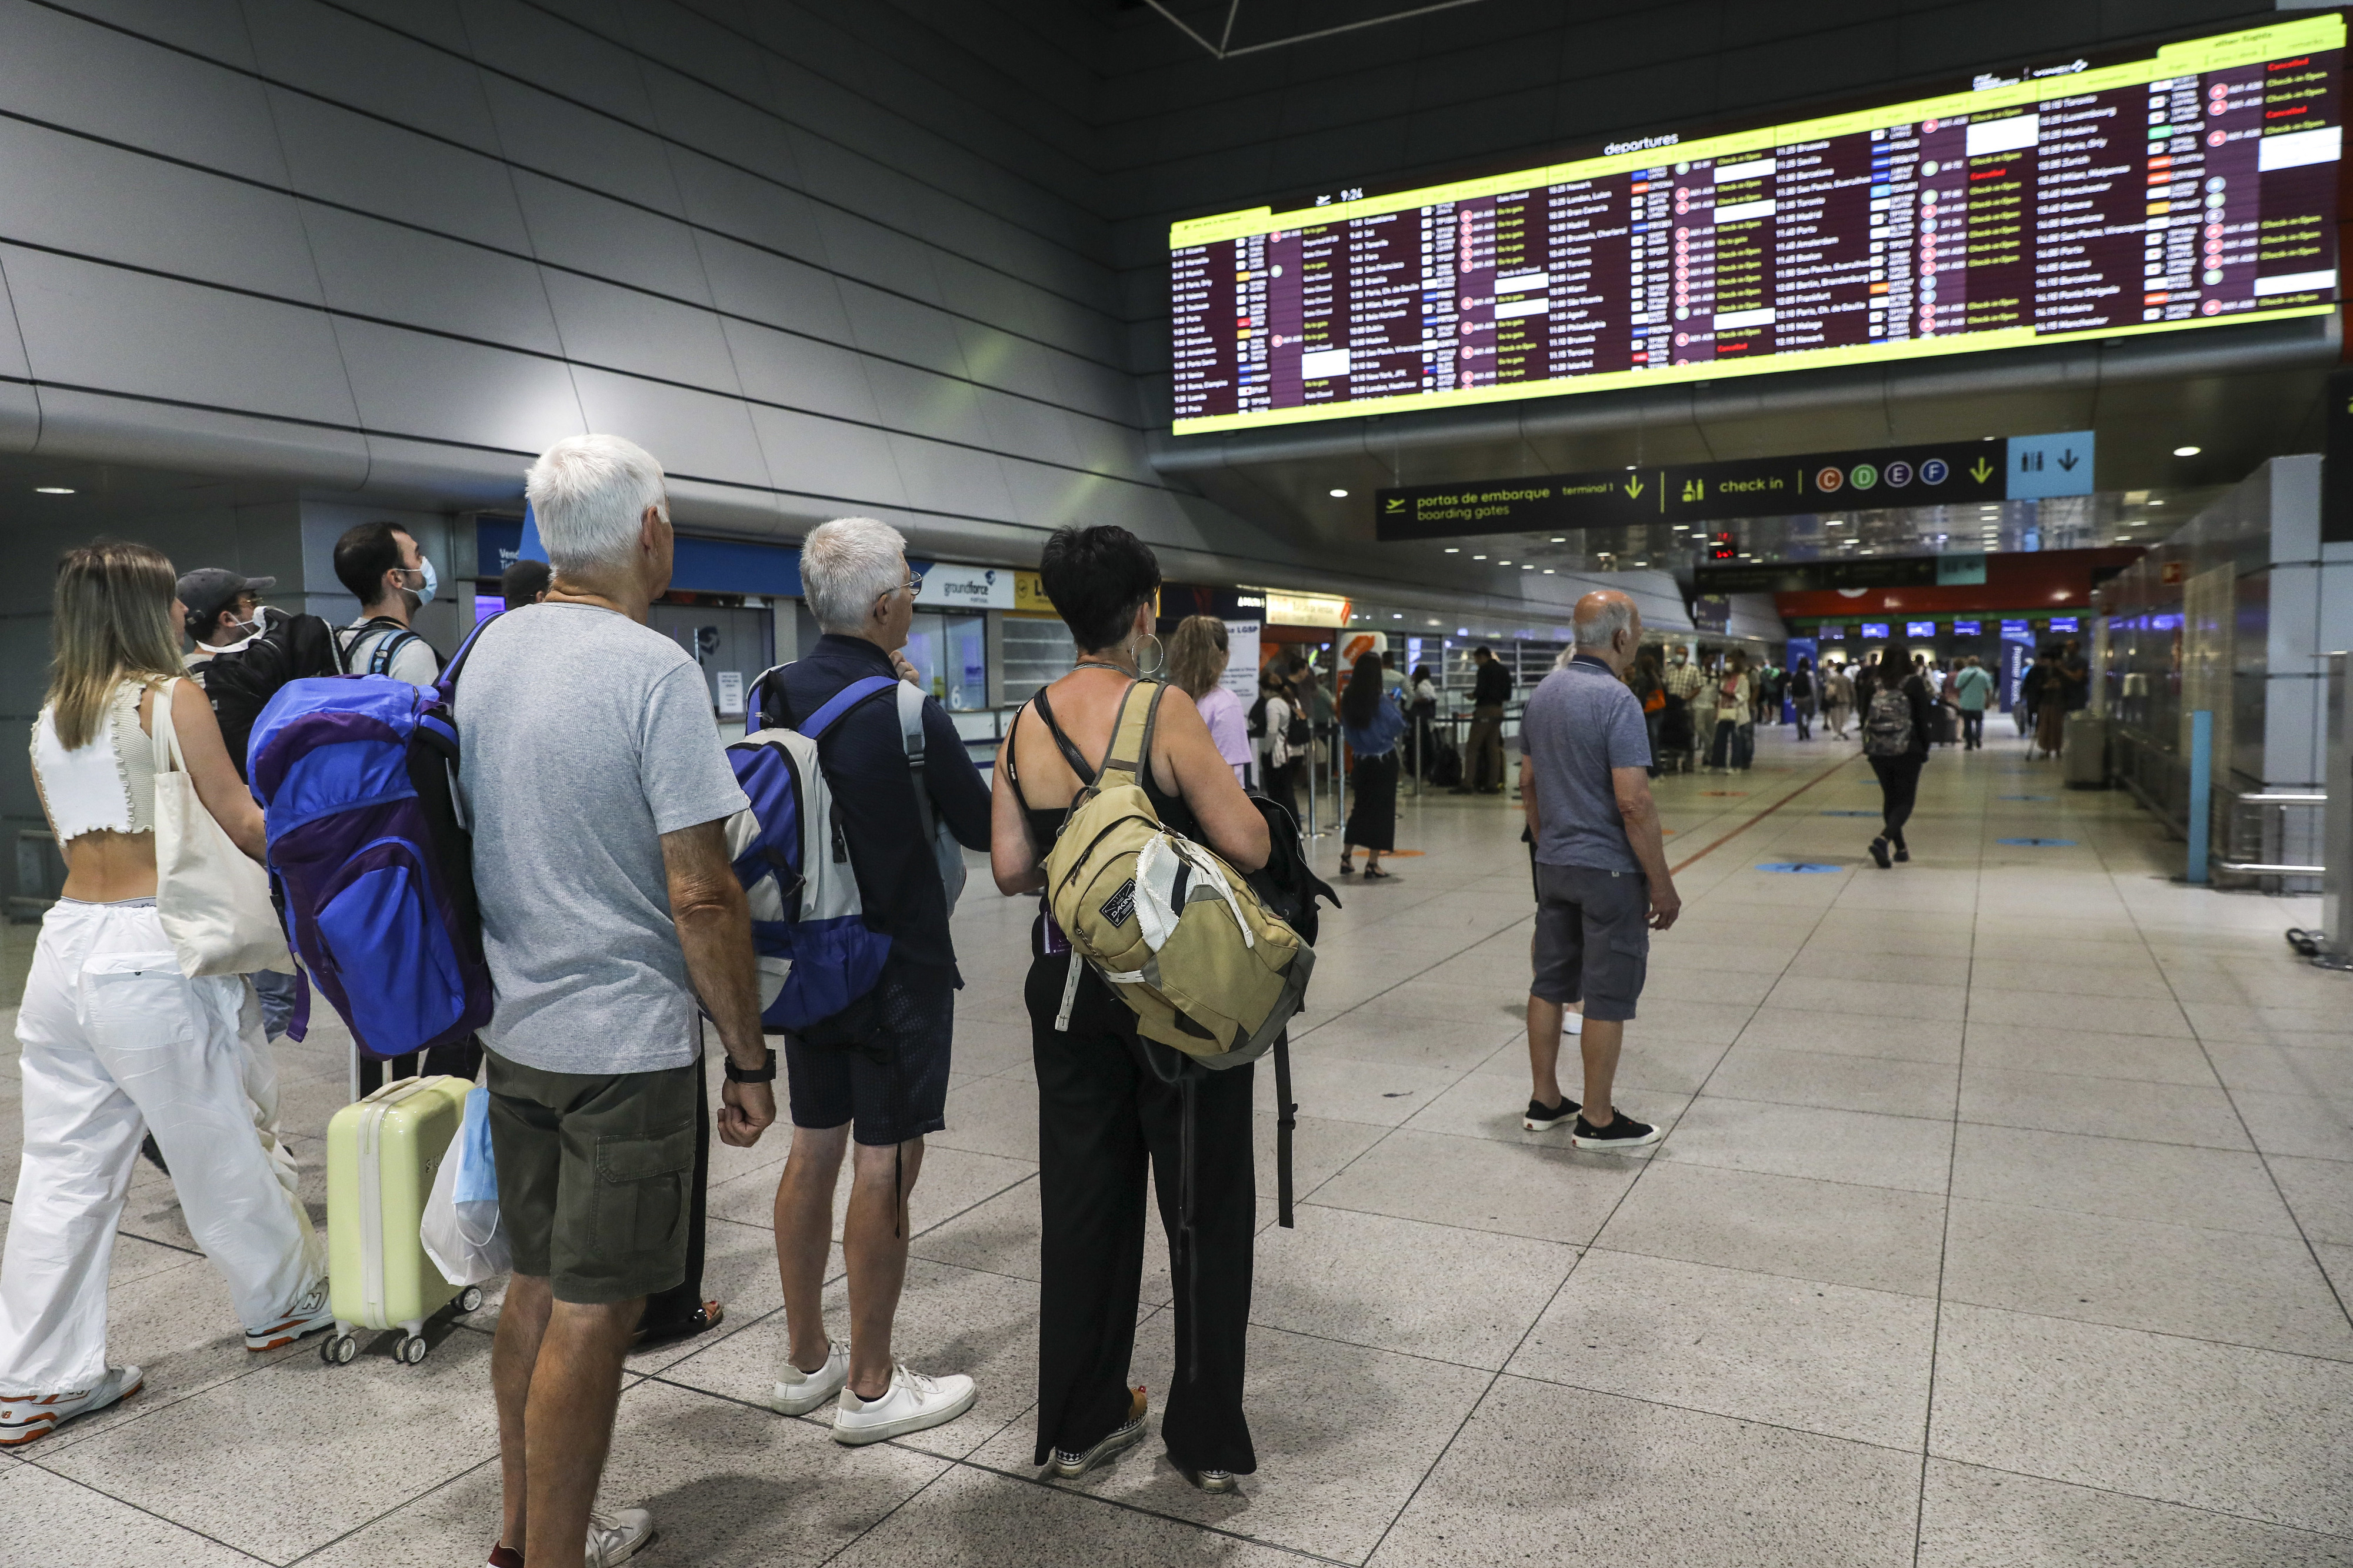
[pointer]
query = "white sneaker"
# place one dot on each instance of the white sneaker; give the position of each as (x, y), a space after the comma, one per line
(797, 1392)
(307, 1316)
(615, 1537)
(1572, 1022)
(24, 1417)
(915, 1402)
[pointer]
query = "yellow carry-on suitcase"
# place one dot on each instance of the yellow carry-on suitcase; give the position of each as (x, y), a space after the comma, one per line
(381, 1155)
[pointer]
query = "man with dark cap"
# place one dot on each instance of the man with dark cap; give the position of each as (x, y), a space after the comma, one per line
(525, 583)
(224, 611)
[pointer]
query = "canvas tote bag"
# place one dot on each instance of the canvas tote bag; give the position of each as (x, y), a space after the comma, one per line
(214, 901)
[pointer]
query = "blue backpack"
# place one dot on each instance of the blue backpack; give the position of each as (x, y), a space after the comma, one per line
(369, 859)
(816, 956)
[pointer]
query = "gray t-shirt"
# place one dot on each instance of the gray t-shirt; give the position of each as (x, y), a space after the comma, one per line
(1580, 723)
(584, 738)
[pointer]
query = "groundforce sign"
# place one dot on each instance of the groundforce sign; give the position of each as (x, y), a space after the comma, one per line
(1947, 474)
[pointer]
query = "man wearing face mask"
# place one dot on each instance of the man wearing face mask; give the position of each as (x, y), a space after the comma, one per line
(223, 612)
(382, 568)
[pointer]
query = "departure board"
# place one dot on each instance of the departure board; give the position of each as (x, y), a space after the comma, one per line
(2193, 186)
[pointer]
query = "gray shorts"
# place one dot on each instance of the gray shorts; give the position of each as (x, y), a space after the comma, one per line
(1593, 939)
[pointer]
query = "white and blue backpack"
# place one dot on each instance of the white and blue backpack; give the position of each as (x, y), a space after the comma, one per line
(816, 956)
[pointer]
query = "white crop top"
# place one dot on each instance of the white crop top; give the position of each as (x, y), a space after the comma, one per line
(108, 783)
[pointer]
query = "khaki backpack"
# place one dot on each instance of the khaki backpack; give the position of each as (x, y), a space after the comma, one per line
(1169, 926)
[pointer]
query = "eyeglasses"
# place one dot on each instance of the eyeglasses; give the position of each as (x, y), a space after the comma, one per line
(915, 586)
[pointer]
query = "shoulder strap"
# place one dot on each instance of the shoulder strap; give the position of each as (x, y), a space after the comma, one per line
(387, 648)
(848, 696)
(1013, 761)
(1131, 738)
(1083, 770)
(755, 706)
(447, 687)
(911, 735)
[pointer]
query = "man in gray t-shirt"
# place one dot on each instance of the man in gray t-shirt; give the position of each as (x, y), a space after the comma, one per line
(1602, 882)
(599, 795)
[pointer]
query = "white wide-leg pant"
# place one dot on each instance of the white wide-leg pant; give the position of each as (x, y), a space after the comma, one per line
(117, 1042)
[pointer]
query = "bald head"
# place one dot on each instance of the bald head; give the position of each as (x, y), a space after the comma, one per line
(1601, 615)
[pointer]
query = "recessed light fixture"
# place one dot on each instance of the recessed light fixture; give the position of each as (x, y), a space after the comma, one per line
(52, 490)
(1455, 550)
(1549, 572)
(1560, 542)
(2187, 451)
(1397, 616)
(2157, 503)
(1339, 495)
(1527, 568)
(1478, 558)
(1503, 562)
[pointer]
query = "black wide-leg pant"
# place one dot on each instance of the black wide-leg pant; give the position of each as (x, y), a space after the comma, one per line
(1899, 787)
(1104, 1117)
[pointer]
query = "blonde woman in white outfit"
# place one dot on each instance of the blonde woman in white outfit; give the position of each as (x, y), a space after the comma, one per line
(117, 1041)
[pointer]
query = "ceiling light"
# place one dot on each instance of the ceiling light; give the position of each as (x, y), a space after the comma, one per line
(1455, 550)
(1503, 562)
(1397, 616)
(1560, 542)
(1478, 558)
(1339, 495)
(1549, 572)
(2187, 451)
(51, 490)
(2157, 503)
(1527, 568)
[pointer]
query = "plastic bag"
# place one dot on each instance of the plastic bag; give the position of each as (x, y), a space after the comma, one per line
(461, 1229)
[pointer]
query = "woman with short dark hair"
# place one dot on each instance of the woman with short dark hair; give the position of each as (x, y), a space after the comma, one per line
(1371, 727)
(1111, 1104)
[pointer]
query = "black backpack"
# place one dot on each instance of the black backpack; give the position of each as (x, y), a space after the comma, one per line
(1288, 889)
(1258, 715)
(241, 684)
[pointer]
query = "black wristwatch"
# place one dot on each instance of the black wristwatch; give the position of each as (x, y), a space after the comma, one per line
(764, 1075)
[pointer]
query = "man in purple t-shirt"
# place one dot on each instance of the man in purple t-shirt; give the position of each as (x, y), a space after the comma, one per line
(1602, 883)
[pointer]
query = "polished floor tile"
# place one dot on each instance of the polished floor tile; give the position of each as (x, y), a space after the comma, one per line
(2139, 1100)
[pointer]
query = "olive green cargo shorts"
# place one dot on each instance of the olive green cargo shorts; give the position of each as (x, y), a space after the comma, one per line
(595, 1174)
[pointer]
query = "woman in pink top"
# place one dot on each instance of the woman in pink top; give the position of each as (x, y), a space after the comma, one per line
(1197, 661)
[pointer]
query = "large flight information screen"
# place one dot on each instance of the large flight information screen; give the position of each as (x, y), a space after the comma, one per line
(2193, 186)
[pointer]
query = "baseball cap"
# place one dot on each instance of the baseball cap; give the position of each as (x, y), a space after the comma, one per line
(208, 590)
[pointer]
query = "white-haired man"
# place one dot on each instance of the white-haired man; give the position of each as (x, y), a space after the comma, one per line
(1602, 883)
(882, 1069)
(599, 795)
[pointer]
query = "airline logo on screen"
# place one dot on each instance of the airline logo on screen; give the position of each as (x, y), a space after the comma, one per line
(2193, 186)
(1947, 474)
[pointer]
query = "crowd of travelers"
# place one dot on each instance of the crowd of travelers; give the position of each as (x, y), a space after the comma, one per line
(582, 727)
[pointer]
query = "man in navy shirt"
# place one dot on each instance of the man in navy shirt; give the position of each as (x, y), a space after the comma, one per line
(883, 1071)
(1602, 882)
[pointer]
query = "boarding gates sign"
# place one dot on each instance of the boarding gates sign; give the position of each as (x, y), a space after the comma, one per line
(1946, 474)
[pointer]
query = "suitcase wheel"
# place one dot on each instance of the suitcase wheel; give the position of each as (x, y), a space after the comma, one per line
(337, 1350)
(410, 1349)
(470, 1299)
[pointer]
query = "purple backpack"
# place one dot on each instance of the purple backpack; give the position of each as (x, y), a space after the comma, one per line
(370, 861)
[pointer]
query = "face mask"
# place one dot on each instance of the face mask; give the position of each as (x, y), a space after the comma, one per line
(424, 567)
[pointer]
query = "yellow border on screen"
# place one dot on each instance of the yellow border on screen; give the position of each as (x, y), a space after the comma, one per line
(2194, 55)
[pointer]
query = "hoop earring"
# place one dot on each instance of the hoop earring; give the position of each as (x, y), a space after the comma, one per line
(1159, 656)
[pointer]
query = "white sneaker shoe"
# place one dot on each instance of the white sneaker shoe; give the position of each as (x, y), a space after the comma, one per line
(307, 1316)
(1571, 1022)
(913, 1403)
(615, 1537)
(24, 1417)
(797, 1392)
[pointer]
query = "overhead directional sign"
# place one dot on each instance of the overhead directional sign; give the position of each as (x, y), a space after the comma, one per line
(1950, 473)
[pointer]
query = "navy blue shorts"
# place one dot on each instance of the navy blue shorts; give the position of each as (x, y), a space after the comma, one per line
(892, 1079)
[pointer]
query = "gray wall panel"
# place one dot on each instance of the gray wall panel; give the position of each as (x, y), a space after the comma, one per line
(700, 434)
(591, 233)
(749, 208)
(952, 481)
(539, 131)
(398, 274)
(111, 329)
(801, 373)
(526, 42)
(435, 21)
(825, 458)
(901, 330)
(161, 215)
(213, 29)
(348, 59)
(681, 40)
(419, 386)
(928, 404)
(775, 289)
(128, 89)
(620, 327)
(339, 157)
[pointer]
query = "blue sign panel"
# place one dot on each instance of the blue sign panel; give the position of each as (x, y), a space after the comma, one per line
(2057, 464)
(1875, 629)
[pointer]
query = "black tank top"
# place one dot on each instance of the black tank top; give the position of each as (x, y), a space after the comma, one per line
(1046, 822)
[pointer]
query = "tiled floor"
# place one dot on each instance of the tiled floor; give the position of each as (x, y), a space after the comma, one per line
(1997, 1227)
